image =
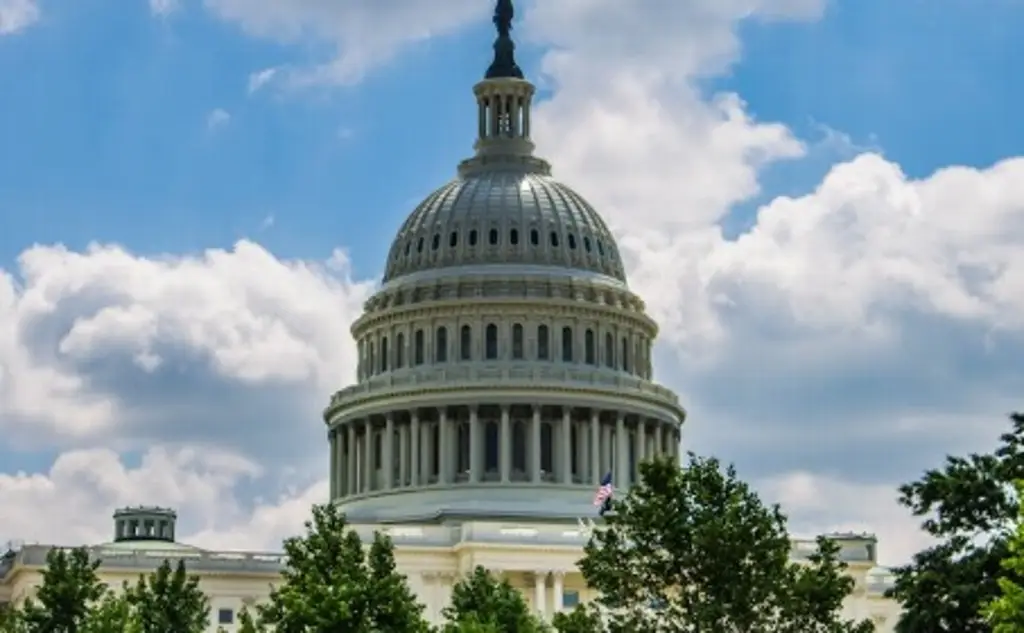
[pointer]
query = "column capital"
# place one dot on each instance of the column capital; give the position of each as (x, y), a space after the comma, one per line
(559, 574)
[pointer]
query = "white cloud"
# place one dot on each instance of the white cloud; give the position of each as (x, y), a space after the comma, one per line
(359, 35)
(164, 7)
(16, 15)
(217, 118)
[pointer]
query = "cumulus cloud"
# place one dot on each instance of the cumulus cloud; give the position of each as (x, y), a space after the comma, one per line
(17, 15)
(359, 36)
(217, 118)
(164, 7)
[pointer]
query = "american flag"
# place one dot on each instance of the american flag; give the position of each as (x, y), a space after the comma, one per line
(603, 496)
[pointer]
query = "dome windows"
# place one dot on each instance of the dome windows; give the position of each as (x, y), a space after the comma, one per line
(408, 247)
(572, 241)
(472, 237)
(419, 246)
(600, 247)
(554, 239)
(453, 239)
(586, 244)
(588, 348)
(534, 237)
(466, 343)
(543, 342)
(436, 242)
(517, 342)
(441, 345)
(567, 345)
(492, 237)
(418, 345)
(399, 351)
(491, 343)
(513, 237)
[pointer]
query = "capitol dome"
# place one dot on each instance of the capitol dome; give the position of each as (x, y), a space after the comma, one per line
(504, 363)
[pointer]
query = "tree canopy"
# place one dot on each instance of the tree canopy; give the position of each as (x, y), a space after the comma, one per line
(481, 602)
(969, 507)
(694, 549)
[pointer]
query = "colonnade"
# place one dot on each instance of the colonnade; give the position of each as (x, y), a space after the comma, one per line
(493, 443)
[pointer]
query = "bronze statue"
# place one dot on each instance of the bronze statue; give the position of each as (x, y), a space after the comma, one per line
(504, 12)
(504, 64)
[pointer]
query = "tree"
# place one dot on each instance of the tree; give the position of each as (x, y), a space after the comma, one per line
(694, 549)
(330, 584)
(1006, 612)
(167, 600)
(112, 614)
(481, 603)
(69, 588)
(968, 507)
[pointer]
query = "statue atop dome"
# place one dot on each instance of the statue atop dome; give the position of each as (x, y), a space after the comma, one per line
(504, 64)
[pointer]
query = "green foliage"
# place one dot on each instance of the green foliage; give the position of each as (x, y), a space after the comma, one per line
(1006, 612)
(330, 584)
(969, 507)
(69, 588)
(694, 549)
(249, 624)
(167, 600)
(582, 619)
(482, 603)
(112, 614)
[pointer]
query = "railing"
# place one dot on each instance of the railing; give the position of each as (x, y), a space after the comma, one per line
(525, 374)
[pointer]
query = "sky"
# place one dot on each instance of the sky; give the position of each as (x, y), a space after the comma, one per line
(821, 201)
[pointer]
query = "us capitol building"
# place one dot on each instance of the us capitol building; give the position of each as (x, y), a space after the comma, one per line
(504, 368)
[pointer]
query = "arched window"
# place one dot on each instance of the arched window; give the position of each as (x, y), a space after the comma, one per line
(453, 239)
(572, 241)
(567, 344)
(625, 354)
(534, 237)
(472, 237)
(609, 350)
(492, 237)
(554, 239)
(418, 351)
(441, 345)
(466, 343)
(588, 347)
(383, 353)
(513, 237)
(400, 351)
(436, 243)
(586, 244)
(491, 445)
(543, 342)
(517, 341)
(419, 245)
(491, 346)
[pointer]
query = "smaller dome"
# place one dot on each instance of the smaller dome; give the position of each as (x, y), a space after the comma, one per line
(504, 216)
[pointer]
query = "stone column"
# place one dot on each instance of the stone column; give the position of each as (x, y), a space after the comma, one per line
(332, 441)
(444, 452)
(595, 448)
(535, 446)
(403, 455)
(559, 591)
(339, 440)
(368, 457)
(565, 458)
(388, 452)
(659, 433)
(505, 447)
(474, 446)
(582, 448)
(351, 484)
(621, 452)
(539, 589)
(414, 462)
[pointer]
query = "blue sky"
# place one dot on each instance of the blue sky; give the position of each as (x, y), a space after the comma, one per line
(140, 130)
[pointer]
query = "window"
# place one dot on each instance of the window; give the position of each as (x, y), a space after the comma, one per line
(419, 245)
(609, 350)
(383, 353)
(453, 239)
(517, 342)
(625, 354)
(418, 352)
(534, 237)
(466, 343)
(554, 239)
(400, 351)
(570, 599)
(586, 244)
(408, 247)
(441, 345)
(600, 248)
(543, 341)
(588, 345)
(225, 616)
(472, 237)
(567, 345)
(491, 351)
(436, 242)
(513, 237)
(492, 237)
(572, 241)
